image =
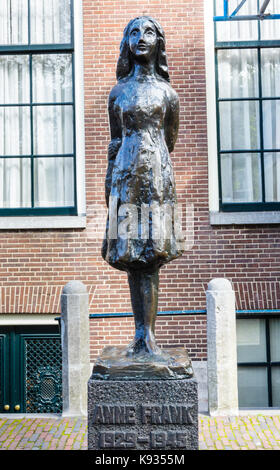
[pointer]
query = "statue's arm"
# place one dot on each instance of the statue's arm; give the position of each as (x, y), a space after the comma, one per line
(172, 121)
(114, 145)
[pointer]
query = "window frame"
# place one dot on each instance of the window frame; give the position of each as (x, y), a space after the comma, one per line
(50, 217)
(217, 217)
(245, 206)
(268, 364)
(257, 45)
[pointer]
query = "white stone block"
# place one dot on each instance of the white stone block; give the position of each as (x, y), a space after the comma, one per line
(75, 348)
(221, 345)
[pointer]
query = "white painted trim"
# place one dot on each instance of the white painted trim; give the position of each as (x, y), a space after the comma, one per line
(23, 319)
(79, 106)
(259, 411)
(244, 218)
(213, 181)
(42, 222)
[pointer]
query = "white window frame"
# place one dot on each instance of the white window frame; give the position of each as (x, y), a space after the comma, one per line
(216, 216)
(79, 220)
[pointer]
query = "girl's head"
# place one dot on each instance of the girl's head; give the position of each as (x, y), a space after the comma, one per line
(143, 37)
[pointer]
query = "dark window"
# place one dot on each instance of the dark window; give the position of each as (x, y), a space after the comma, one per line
(258, 356)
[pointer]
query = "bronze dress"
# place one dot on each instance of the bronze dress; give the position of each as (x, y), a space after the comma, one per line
(141, 175)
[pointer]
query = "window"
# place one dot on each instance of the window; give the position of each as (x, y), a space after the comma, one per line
(247, 57)
(258, 356)
(37, 108)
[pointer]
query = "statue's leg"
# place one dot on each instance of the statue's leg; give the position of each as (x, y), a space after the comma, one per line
(144, 300)
(134, 280)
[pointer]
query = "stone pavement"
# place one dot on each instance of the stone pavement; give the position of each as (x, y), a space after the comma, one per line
(254, 432)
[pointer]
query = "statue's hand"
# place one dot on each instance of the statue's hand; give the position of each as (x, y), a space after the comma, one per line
(113, 148)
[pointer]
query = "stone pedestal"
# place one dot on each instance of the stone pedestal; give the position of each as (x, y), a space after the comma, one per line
(143, 413)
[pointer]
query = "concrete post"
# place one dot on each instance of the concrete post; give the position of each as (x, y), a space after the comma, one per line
(221, 344)
(75, 348)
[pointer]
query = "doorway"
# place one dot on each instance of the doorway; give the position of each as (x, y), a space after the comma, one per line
(30, 369)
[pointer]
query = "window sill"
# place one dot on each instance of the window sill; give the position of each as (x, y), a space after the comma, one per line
(42, 222)
(27, 319)
(244, 218)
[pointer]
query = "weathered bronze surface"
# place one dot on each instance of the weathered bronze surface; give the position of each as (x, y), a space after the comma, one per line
(115, 364)
(144, 118)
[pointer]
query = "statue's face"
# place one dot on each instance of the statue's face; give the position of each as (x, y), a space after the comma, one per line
(143, 39)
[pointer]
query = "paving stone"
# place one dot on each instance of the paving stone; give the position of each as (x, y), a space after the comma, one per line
(221, 433)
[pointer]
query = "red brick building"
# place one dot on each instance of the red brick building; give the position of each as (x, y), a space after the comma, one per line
(47, 240)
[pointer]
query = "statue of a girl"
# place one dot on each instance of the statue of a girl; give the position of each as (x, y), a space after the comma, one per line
(144, 117)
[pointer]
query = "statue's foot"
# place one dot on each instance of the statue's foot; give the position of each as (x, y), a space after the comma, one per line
(144, 345)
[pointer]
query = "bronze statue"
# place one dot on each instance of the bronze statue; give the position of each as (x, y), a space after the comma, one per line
(144, 118)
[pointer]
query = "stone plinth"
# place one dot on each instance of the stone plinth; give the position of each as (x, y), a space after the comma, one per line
(142, 414)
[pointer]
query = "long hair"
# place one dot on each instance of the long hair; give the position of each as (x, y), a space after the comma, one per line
(125, 63)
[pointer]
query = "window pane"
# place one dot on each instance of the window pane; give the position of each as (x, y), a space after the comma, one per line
(272, 176)
(237, 30)
(239, 125)
(274, 328)
(271, 124)
(53, 130)
(252, 387)
(241, 177)
(52, 78)
(270, 63)
(50, 21)
(15, 131)
(275, 386)
(251, 340)
(13, 22)
(53, 182)
(238, 73)
(273, 7)
(270, 28)
(14, 69)
(250, 7)
(15, 182)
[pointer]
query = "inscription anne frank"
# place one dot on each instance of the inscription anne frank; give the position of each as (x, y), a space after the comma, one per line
(144, 417)
(149, 414)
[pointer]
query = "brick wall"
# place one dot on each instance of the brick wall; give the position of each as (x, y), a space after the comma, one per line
(247, 255)
(187, 331)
